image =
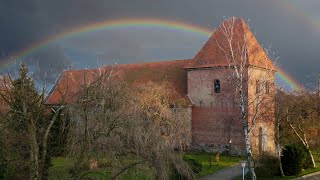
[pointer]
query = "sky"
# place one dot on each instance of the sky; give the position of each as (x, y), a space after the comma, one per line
(289, 29)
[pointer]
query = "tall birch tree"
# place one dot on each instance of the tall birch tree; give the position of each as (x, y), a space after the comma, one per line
(235, 46)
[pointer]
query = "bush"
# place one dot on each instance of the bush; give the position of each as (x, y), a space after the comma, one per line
(3, 162)
(6, 171)
(194, 164)
(267, 166)
(294, 158)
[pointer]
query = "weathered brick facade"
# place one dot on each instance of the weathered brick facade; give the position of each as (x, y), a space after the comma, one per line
(215, 114)
(216, 120)
(262, 136)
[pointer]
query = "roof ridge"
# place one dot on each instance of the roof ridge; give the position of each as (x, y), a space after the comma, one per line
(212, 53)
(133, 64)
(156, 62)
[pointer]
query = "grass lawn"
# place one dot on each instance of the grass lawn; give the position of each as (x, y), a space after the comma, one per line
(304, 172)
(311, 170)
(60, 167)
(203, 158)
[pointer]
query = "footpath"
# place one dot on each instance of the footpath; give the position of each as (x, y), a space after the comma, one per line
(225, 174)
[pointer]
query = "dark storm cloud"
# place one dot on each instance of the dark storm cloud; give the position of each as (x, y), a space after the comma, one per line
(291, 38)
(46, 65)
(139, 45)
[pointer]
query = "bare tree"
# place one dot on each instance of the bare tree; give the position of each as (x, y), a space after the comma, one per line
(96, 116)
(133, 126)
(161, 125)
(236, 47)
(301, 115)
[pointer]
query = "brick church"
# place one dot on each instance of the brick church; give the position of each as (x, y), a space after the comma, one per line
(205, 81)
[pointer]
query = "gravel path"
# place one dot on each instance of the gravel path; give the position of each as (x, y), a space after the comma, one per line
(225, 174)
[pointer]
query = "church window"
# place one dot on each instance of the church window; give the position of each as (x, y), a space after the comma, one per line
(267, 88)
(257, 86)
(216, 86)
(262, 140)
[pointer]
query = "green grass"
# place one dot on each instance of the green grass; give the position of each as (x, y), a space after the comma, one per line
(311, 170)
(304, 172)
(269, 178)
(61, 166)
(203, 158)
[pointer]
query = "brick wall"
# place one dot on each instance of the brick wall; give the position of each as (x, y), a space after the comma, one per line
(213, 129)
(216, 116)
(265, 115)
(200, 87)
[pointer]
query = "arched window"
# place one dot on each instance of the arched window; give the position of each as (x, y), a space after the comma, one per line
(267, 87)
(262, 140)
(216, 86)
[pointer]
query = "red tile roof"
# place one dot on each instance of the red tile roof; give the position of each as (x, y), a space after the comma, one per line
(211, 54)
(173, 72)
(70, 81)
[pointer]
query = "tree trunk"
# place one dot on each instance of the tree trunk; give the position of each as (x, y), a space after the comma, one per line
(303, 140)
(278, 146)
(246, 137)
(45, 139)
(249, 154)
(311, 156)
(280, 163)
(34, 152)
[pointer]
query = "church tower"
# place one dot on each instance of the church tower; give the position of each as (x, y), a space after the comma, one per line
(213, 87)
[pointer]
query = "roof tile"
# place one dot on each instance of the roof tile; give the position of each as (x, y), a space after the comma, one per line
(214, 52)
(70, 82)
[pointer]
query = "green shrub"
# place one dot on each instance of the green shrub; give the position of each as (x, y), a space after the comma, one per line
(308, 162)
(267, 166)
(3, 162)
(175, 175)
(293, 158)
(194, 164)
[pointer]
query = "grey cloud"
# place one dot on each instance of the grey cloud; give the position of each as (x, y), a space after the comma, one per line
(47, 64)
(293, 39)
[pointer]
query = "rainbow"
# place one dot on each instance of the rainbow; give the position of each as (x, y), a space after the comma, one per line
(289, 80)
(310, 21)
(126, 23)
(108, 25)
